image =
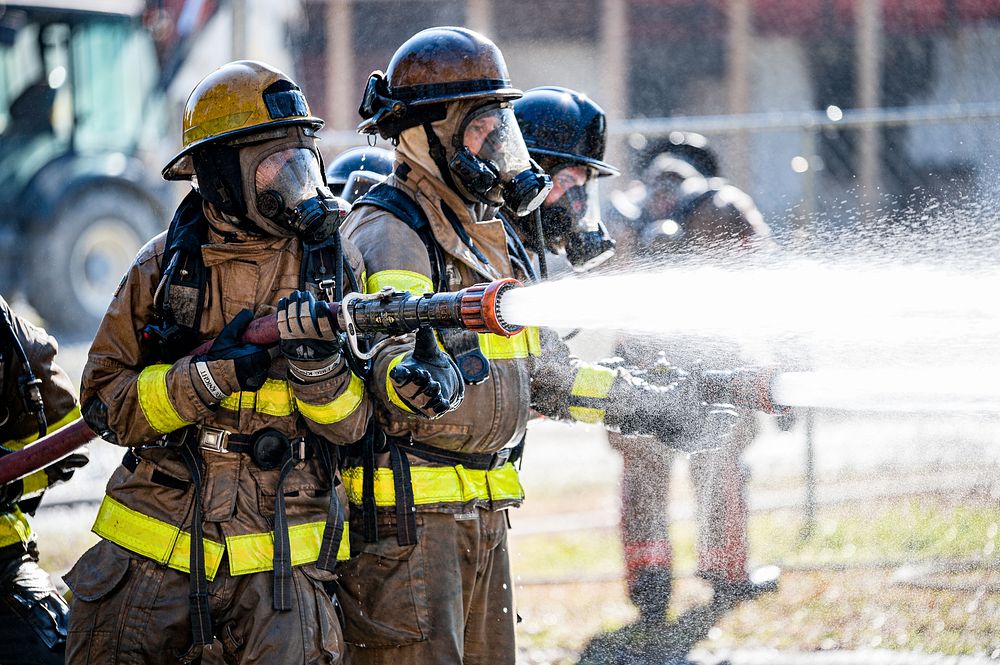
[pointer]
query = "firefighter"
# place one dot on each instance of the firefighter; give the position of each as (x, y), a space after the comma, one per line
(356, 170)
(38, 398)
(429, 581)
(683, 214)
(224, 520)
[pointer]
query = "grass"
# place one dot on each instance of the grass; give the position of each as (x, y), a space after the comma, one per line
(838, 590)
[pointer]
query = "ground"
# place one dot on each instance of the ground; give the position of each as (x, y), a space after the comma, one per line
(900, 566)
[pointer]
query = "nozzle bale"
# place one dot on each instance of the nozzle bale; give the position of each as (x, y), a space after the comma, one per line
(475, 308)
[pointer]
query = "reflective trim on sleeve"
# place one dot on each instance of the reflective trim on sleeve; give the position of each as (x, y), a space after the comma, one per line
(390, 388)
(274, 399)
(401, 280)
(534, 337)
(440, 484)
(498, 347)
(17, 444)
(585, 414)
(152, 538)
(34, 484)
(154, 401)
(593, 381)
(341, 407)
(14, 528)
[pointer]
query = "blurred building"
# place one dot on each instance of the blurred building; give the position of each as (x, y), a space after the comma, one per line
(670, 58)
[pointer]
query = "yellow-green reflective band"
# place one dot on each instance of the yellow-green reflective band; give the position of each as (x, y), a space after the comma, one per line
(215, 126)
(17, 444)
(274, 399)
(34, 483)
(254, 552)
(344, 551)
(440, 484)
(534, 340)
(401, 280)
(593, 381)
(390, 389)
(155, 402)
(14, 528)
(152, 538)
(498, 347)
(585, 414)
(335, 411)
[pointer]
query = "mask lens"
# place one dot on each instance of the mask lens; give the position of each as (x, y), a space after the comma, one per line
(492, 135)
(293, 173)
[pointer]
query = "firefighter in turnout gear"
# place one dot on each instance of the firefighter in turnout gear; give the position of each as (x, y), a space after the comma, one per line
(224, 521)
(37, 399)
(680, 214)
(429, 581)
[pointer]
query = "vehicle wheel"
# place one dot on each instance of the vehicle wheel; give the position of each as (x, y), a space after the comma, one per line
(80, 256)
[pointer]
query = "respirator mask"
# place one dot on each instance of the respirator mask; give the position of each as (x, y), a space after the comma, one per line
(491, 161)
(573, 221)
(288, 195)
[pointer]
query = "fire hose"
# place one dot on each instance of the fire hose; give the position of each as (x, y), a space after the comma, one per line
(388, 312)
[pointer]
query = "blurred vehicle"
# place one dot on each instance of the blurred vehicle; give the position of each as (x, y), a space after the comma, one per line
(80, 107)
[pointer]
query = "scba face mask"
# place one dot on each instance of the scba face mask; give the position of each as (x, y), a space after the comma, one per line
(573, 222)
(289, 193)
(491, 161)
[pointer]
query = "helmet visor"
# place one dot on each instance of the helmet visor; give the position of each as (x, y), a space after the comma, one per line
(294, 173)
(491, 133)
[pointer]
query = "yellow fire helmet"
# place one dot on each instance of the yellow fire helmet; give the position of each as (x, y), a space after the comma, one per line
(238, 98)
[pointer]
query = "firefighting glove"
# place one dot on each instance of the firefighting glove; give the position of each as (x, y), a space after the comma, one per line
(308, 341)
(63, 470)
(231, 365)
(428, 380)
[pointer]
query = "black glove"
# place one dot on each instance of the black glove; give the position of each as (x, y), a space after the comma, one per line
(231, 365)
(308, 340)
(63, 470)
(428, 380)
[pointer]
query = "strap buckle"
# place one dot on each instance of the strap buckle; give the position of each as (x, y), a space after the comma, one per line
(500, 458)
(213, 439)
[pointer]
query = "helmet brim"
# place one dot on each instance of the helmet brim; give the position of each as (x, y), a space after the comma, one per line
(603, 168)
(181, 167)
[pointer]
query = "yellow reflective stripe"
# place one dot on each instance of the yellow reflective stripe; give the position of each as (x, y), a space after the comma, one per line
(14, 528)
(17, 444)
(34, 483)
(344, 551)
(439, 484)
(152, 538)
(274, 399)
(155, 402)
(593, 381)
(341, 407)
(498, 347)
(402, 280)
(391, 389)
(254, 552)
(585, 414)
(534, 340)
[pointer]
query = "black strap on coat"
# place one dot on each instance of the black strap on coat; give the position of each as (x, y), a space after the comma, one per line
(202, 633)
(406, 518)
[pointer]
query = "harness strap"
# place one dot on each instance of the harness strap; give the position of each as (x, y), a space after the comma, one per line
(282, 600)
(202, 633)
(334, 530)
(369, 506)
(406, 519)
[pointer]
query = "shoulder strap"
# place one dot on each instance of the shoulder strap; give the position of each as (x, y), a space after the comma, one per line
(397, 202)
(515, 248)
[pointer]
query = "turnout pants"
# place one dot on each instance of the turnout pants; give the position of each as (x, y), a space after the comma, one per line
(447, 600)
(128, 609)
(32, 613)
(720, 483)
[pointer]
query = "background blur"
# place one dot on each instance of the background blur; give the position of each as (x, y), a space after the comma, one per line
(836, 115)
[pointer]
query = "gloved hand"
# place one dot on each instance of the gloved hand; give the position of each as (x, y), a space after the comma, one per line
(308, 341)
(231, 365)
(63, 470)
(428, 380)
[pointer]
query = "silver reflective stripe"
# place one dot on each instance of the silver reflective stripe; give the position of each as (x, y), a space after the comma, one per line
(206, 377)
(313, 373)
